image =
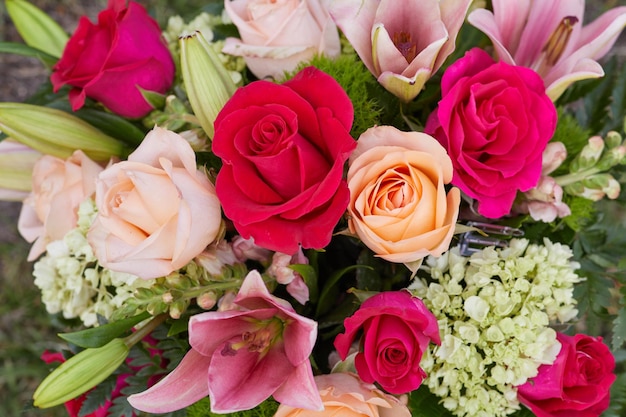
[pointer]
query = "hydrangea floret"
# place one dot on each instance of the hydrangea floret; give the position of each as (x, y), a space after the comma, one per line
(74, 284)
(494, 311)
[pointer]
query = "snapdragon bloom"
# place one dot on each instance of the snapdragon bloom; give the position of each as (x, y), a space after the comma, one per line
(550, 38)
(242, 356)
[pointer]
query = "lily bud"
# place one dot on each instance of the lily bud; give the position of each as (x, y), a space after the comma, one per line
(55, 132)
(16, 169)
(37, 28)
(80, 373)
(209, 85)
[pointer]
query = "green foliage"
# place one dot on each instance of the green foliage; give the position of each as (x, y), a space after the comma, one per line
(359, 84)
(203, 409)
(572, 135)
(618, 398)
(582, 212)
(100, 336)
(424, 403)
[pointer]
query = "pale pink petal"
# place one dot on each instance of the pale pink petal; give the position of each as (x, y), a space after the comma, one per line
(453, 14)
(511, 17)
(598, 37)
(403, 87)
(355, 18)
(568, 71)
(182, 387)
(160, 143)
(299, 390)
(485, 21)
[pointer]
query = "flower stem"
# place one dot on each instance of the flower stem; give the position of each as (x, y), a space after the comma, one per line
(142, 332)
(568, 179)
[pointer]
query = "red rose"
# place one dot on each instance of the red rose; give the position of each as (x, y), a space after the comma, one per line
(495, 120)
(109, 61)
(576, 384)
(397, 328)
(283, 149)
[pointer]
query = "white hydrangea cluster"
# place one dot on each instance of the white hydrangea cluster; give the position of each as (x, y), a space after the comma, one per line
(73, 283)
(494, 310)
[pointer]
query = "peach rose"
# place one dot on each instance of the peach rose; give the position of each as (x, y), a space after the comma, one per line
(59, 186)
(276, 36)
(156, 211)
(344, 394)
(398, 202)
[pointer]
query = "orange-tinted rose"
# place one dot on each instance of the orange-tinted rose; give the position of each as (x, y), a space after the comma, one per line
(59, 186)
(398, 202)
(345, 395)
(156, 211)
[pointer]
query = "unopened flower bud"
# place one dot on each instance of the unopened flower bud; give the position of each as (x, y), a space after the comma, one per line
(16, 170)
(589, 155)
(55, 132)
(80, 373)
(178, 308)
(553, 156)
(167, 297)
(613, 139)
(611, 158)
(207, 82)
(207, 300)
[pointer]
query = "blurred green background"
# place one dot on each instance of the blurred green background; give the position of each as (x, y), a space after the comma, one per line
(25, 327)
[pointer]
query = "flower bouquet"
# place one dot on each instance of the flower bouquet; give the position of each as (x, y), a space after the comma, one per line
(315, 208)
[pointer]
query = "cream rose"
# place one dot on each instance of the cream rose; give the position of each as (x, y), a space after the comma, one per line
(398, 202)
(344, 394)
(156, 211)
(277, 35)
(58, 188)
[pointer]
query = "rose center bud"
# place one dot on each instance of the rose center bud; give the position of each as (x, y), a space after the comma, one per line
(405, 45)
(559, 39)
(395, 356)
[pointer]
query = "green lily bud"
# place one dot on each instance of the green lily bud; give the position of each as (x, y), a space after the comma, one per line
(16, 169)
(589, 155)
(55, 132)
(208, 84)
(37, 28)
(80, 373)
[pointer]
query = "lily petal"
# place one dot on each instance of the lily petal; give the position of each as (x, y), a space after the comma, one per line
(183, 386)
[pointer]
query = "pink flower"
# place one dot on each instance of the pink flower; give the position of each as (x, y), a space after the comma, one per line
(111, 60)
(276, 36)
(397, 328)
(345, 395)
(156, 211)
(279, 269)
(241, 357)
(59, 186)
(577, 383)
(549, 37)
(283, 149)
(402, 43)
(495, 120)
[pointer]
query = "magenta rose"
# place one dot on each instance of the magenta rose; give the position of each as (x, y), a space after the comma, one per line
(576, 384)
(396, 330)
(283, 149)
(495, 120)
(109, 61)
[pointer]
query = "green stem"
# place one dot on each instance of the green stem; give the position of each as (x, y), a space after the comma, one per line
(568, 179)
(142, 332)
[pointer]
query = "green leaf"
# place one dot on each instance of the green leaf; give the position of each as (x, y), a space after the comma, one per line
(37, 28)
(25, 50)
(97, 397)
(100, 336)
(424, 403)
(619, 327)
(326, 299)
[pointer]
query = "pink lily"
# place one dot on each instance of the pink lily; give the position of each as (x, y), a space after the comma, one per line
(403, 43)
(241, 357)
(549, 37)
